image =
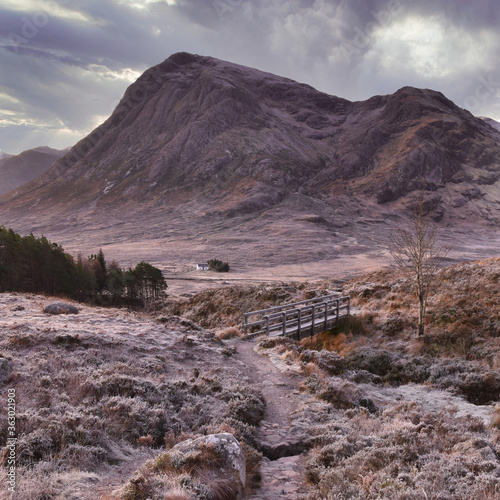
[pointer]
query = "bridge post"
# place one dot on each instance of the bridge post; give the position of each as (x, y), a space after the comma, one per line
(284, 324)
(266, 318)
(245, 323)
(349, 305)
(299, 326)
(312, 319)
(326, 314)
(338, 312)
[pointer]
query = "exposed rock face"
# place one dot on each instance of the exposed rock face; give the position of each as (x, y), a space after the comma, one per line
(24, 167)
(243, 140)
(60, 308)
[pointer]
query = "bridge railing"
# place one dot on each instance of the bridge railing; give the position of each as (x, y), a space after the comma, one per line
(293, 319)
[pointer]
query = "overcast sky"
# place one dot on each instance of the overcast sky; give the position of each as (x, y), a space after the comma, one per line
(64, 64)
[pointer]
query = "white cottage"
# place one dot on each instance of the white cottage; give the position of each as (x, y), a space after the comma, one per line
(202, 267)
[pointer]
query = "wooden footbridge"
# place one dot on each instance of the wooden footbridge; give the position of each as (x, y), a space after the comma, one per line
(298, 319)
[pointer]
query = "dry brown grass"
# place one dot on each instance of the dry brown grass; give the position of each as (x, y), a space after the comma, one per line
(228, 333)
(198, 474)
(407, 450)
(495, 421)
(461, 348)
(341, 343)
(92, 398)
(464, 306)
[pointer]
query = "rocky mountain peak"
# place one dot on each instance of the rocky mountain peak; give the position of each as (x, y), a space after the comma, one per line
(229, 139)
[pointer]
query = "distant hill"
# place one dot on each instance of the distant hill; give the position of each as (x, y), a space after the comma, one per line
(4, 155)
(491, 122)
(24, 167)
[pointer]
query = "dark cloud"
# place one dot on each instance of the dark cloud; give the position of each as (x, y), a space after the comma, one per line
(72, 60)
(74, 64)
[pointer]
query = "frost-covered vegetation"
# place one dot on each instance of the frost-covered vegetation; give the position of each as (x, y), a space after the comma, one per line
(102, 391)
(373, 438)
(401, 418)
(383, 413)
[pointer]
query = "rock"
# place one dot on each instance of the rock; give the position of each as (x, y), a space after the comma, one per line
(284, 449)
(477, 449)
(224, 446)
(368, 404)
(60, 308)
(5, 370)
(331, 362)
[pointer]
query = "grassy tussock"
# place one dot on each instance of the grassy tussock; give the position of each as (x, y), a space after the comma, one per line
(197, 475)
(228, 333)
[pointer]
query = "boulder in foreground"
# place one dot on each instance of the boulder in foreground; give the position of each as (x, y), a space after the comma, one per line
(225, 448)
(60, 308)
(212, 466)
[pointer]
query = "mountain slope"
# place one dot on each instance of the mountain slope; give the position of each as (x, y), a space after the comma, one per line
(26, 166)
(204, 150)
(245, 139)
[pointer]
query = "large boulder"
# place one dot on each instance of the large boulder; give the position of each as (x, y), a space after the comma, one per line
(223, 448)
(210, 466)
(60, 308)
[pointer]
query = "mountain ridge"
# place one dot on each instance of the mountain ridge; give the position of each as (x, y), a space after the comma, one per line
(199, 143)
(296, 120)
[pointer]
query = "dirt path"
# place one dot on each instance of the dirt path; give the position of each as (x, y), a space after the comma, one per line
(283, 466)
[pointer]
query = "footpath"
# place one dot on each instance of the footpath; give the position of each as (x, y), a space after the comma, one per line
(283, 466)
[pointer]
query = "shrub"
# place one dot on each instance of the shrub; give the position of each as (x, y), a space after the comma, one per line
(376, 361)
(331, 362)
(340, 393)
(229, 333)
(402, 453)
(218, 266)
(246, 406)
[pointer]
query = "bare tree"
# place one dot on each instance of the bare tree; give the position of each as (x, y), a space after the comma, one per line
(417, 251)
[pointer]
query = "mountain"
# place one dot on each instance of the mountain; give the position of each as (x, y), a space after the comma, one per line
(4, 155)
(24, 167)
(491, 122)
(210, 156)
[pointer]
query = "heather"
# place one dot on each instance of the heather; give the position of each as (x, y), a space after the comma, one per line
(369, 409)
